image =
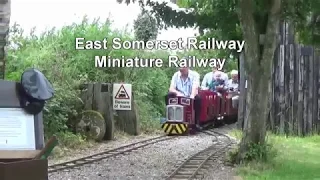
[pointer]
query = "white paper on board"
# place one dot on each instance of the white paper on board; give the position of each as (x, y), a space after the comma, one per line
(16, 130)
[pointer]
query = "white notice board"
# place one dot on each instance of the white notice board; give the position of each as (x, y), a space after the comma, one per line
(16, 130)
(122, 96)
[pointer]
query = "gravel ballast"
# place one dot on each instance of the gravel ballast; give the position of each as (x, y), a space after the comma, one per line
(151, 162)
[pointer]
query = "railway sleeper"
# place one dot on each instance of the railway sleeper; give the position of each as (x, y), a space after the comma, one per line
(199, 176)
(189, 172)
(188, 169)
(199, 158)
(118, 152)
(202, 172)
(99, 157)
(182, 176)
(206, 166)
(60, 167)
(192, 161)
(80, 162)
(191, 166)
(184, 173)
(212, 160)
(70, 164)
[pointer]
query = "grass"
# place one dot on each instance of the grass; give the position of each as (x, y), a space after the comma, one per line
(68, 142)
(150, 126)
(297, 159)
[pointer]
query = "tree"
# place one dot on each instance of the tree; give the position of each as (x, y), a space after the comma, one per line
(145, 27)
(5, 6)
(256, 22)
(311, 34)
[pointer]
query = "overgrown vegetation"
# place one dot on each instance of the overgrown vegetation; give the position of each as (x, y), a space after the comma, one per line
(283, 158)
(256, 152)
(53, 52)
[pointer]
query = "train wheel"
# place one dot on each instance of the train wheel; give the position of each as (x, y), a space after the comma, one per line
(228, 120)
(219, 123)
(231, 119)
(199, 127)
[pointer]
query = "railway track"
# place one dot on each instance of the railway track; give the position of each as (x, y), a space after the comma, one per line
(196, 166)
(106, 154)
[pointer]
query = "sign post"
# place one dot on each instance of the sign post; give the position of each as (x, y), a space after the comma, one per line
(122, 97)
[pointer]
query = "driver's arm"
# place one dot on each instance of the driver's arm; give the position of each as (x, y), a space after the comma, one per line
(172, 87)
(195, 85)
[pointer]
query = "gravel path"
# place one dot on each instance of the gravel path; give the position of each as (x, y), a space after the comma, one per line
(152, 162)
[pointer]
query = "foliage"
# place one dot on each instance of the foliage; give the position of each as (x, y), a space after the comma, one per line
(220, 19)
(145, 27)
(259, 152)
(53, 52)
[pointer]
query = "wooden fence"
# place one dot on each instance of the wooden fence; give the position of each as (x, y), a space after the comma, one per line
(294, 87)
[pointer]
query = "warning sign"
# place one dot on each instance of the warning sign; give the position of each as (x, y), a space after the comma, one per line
(122, 94)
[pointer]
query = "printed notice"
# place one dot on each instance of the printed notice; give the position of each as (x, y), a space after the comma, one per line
(16, 130)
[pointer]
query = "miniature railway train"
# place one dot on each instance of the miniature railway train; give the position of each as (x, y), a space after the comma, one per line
(215, 109)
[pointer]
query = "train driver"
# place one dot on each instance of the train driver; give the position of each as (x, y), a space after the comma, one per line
(233, 86)
(185, 82)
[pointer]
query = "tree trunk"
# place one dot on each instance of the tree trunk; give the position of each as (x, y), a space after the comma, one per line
(258, 64)
(5, 13)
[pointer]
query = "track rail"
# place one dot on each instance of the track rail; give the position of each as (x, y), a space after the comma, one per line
(106, 154)
(193, 166)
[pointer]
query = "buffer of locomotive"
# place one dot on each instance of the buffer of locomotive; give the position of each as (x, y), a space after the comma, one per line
(175, 128)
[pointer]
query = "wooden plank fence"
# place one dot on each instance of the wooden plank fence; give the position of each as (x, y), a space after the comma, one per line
(294, 87)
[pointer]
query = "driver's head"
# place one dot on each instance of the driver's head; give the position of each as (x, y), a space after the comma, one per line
(184, 70)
